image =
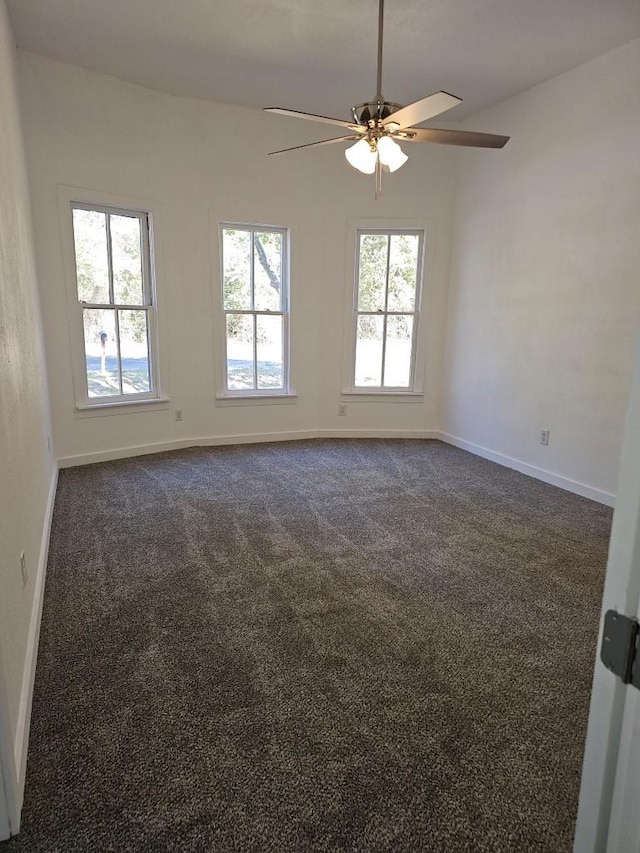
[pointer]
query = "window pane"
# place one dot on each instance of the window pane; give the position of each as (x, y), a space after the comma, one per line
(134, 352)
(372, 272)
(92, 269)
(236, 259)
(397, 356)
(403, 267)
(240, 367)
(126, 259)
(101, 352)
(269, 351)
(267, 271)
(369, 351)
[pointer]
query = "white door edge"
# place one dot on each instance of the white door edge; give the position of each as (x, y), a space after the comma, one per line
(602, 770)
(624, 828)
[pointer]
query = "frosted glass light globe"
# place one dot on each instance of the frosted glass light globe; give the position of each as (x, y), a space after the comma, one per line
(390, 153)
(361, 157)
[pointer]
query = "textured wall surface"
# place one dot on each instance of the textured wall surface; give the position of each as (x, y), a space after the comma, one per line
(26, 466)
(545, 295)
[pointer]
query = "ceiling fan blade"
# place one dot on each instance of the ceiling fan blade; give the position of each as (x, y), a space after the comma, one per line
(312, 144)
(420, 111)
(311, 117)
(451, 137)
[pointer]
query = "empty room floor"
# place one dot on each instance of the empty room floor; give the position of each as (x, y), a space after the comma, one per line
(363, 645)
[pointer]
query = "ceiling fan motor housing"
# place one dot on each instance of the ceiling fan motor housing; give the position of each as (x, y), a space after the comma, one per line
(373, 111)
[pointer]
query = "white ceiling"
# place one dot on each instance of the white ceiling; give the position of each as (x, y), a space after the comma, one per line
(320, 55)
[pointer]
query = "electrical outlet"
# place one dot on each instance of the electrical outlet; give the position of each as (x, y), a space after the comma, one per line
(342, 410)
(178, 414)
(23, 569)
(544, 436)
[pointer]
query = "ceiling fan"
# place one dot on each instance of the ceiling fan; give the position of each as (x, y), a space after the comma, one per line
(378, 124)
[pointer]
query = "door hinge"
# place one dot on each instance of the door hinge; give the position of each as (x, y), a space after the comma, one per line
(619, 652)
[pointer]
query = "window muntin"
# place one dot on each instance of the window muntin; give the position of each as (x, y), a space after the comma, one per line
(115, 297)
(386, 304)
(255, 305)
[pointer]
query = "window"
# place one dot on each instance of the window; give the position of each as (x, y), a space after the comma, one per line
(255, 308)
(114, 291)
(386, 305)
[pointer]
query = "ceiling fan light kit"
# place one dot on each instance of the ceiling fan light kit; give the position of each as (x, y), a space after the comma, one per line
(377, 124)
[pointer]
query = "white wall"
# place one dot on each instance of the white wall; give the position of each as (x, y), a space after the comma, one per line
(544, 290)
(545, 282)
(27, 470)
(202, 162)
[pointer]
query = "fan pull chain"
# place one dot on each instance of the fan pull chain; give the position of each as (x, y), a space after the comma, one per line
(378, 179)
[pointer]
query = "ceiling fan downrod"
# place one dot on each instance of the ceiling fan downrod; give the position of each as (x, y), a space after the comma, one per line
(379, 97)
(371, 113)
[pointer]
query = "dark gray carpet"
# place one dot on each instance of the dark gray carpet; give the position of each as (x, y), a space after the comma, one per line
(324, 646)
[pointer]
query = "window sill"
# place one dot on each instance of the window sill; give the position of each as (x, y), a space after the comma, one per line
(382, 396)
(121, 407)
(225, 400)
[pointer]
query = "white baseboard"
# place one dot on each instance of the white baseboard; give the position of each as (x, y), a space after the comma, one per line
(21, 738)
(378, 433)
(248, 438)
(297, 435)
(121, 453)
(179, 444)
(574, 486)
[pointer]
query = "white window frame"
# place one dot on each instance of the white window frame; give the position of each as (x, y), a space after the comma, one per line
(68, 199)
(381, 392)
(227, 393)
